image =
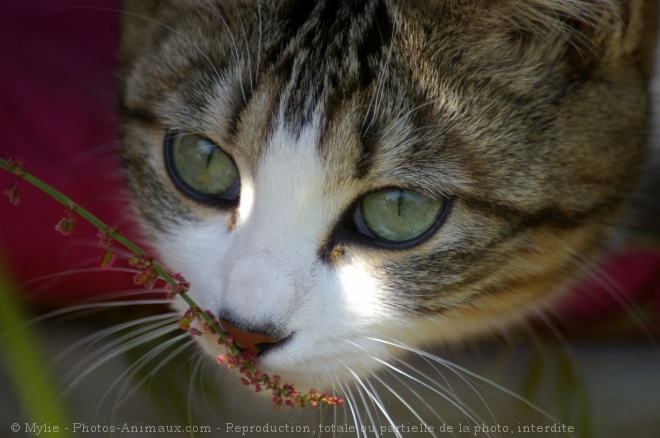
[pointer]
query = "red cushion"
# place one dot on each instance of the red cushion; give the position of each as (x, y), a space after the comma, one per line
(57, 113)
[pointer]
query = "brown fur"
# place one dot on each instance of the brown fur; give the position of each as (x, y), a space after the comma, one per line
(531, 116)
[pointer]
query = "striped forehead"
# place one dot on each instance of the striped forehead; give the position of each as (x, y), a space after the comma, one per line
(356, 151)
(319, 70)
(325, 51)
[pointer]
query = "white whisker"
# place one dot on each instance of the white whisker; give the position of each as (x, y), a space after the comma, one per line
(363, 427)
(465, 410)
(193, 395)
(410, 408)
(350, 401)
(434, 386)
(115, 348)
(457, 369)
(247, 46)
(375, 400)
(380, 83)
(449, 393)
(71, 272)
(130, 386)
(79, 309)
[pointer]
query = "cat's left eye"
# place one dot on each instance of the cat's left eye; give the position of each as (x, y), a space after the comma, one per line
(200, 168)
(398, 216)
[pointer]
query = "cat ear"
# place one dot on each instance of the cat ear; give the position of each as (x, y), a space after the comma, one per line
(612, 32)
(585, 33)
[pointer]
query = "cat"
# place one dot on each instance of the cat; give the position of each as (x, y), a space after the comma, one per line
(343, 182)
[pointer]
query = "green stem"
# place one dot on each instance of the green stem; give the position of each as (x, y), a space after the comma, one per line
(103, 227)
(112, 233)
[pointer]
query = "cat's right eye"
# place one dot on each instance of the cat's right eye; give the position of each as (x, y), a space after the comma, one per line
(200, 168)
(400, 217)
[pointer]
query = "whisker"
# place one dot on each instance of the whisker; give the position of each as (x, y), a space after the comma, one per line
(259, 40)
(130, 386)
(99, 335)
(350, 401)
(90, 265)
(358, 417)
(171, 29)
(192, 393)
(247, 46)
(615, 290)
(450, 390)
(198, 389)
(434, 386)
(237, 56)
(78, 309)
(71, 272)
(375, 401)
(374, 103)
(403, 400)
(82, 242)
(463, 409)
(457, 368)
(124, 343)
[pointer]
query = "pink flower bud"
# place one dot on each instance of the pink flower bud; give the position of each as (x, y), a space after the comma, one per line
(13, 193)
(66, 226)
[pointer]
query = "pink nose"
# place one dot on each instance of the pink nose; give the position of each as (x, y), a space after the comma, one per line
(248, 341)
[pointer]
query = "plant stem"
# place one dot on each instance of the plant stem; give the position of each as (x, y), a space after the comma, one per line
(102, 226)
(246, 362)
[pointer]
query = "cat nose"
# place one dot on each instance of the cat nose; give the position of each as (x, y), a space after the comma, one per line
(247, 340)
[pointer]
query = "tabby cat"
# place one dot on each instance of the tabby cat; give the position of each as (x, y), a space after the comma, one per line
(344, 181)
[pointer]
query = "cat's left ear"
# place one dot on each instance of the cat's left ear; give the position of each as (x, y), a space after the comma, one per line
(615, 32)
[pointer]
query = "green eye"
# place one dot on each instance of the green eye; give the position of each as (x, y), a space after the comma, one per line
(398, 215)
(200, 168)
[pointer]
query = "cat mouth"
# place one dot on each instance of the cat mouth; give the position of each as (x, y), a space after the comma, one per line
(266, 348)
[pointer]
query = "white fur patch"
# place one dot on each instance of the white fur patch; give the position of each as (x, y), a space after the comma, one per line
(267, 270)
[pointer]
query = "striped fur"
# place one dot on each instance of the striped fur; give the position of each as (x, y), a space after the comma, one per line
(530, 116)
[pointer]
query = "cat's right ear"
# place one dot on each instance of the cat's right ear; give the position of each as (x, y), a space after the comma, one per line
(585, 34)
(614, 33)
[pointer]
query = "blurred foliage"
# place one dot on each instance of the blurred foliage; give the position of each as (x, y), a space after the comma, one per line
(22, 356)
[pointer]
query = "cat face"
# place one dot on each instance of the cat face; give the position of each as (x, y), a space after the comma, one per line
(346, 178)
